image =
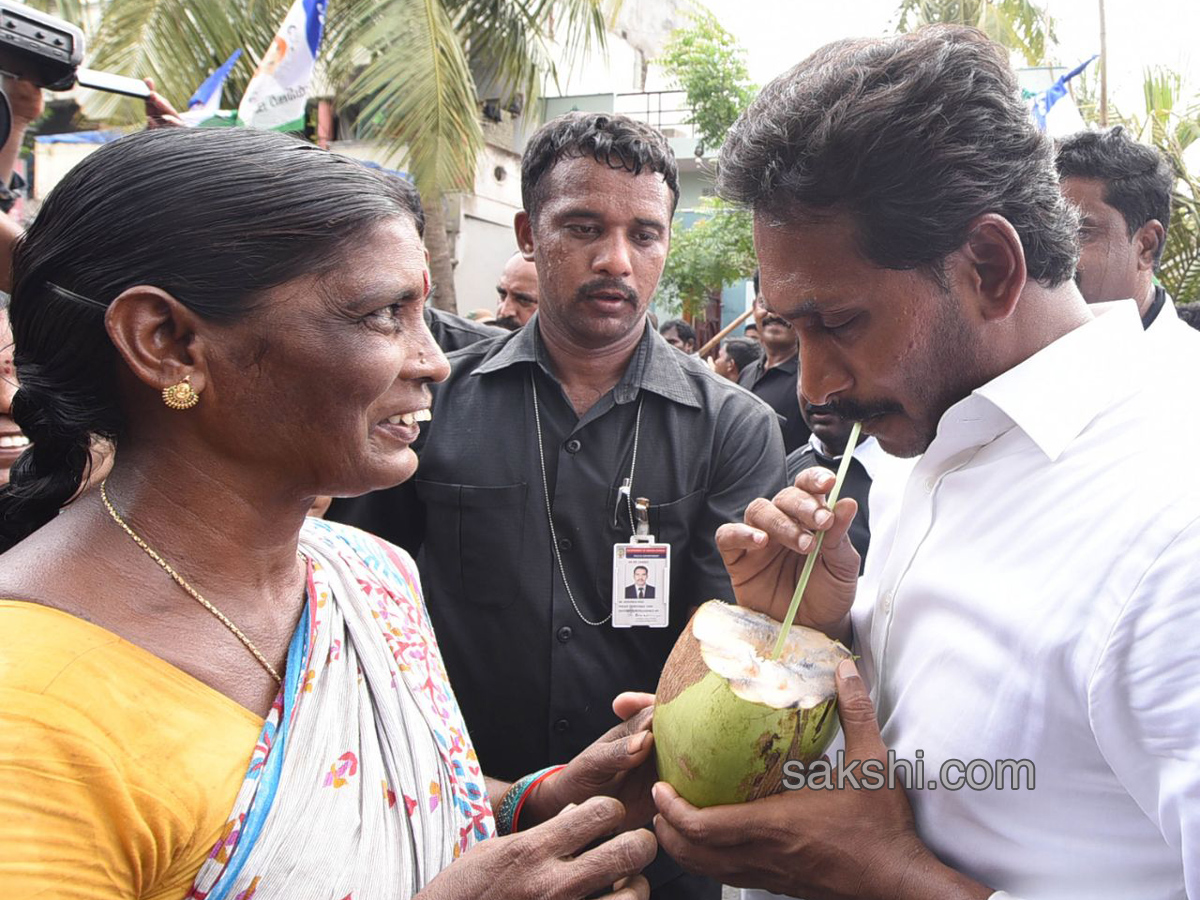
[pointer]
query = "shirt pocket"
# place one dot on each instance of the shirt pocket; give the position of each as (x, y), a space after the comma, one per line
(671, 523)
(473, 540)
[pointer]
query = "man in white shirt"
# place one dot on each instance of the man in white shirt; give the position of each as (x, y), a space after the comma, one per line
(1030, 610)
(1123, 190)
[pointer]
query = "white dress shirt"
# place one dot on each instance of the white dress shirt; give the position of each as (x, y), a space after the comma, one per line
(1033, 592)
(1174, 337)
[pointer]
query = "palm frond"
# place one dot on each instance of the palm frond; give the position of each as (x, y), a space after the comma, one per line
(1019, 25)
(74, 11)
(178, 43)
(402, 62)
(509, 42)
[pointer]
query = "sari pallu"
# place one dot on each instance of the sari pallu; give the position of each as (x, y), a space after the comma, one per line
(363, 784)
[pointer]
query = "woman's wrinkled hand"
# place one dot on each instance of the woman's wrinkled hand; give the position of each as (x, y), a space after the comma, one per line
(620, 764)
(554, 860)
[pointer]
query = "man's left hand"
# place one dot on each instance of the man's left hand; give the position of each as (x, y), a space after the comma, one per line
(815, 843)
(619, 764)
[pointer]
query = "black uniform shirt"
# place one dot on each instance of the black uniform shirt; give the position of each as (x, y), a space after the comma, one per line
(535, 682)
(777, 386)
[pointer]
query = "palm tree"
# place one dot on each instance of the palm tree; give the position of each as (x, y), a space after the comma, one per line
(410, 67)
(1172, 124)
(1019, 25)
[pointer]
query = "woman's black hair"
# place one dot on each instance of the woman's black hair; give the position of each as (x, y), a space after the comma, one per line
(214, 217)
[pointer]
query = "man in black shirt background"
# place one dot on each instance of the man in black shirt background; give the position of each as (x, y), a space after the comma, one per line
(825, 447)
(775, 376)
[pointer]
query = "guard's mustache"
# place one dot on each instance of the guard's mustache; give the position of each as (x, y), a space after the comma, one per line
(607, 286)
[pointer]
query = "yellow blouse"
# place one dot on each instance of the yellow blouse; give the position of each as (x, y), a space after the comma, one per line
(117, 770)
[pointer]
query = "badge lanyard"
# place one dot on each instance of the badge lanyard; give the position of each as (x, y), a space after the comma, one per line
(627, 488)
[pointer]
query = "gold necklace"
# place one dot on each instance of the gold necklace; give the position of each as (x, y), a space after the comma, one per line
(178, 579)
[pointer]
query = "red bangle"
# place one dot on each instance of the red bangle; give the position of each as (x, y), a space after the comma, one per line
(529, 790)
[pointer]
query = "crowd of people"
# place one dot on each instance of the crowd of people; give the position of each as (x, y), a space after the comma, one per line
(439, 690)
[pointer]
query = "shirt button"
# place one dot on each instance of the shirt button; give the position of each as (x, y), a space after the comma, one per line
(887, 602)
(930, 484)
(562, 726)
(565, 544)
(564, 634)
(574, 446)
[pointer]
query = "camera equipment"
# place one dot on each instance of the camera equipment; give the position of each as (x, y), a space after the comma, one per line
(48, 51)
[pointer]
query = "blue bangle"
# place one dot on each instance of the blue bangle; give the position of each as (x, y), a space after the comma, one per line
(514, 798)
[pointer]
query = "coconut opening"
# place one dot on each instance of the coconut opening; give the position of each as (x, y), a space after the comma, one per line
(736, 643)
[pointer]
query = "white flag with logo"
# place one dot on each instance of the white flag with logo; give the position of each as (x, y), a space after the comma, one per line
(278, 92)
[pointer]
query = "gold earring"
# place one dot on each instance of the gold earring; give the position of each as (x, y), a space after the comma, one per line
(181, 395)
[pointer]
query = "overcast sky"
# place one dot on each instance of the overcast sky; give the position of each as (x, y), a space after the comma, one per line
(1141, 33)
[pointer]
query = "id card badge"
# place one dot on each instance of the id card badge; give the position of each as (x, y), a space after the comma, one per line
(641, 577)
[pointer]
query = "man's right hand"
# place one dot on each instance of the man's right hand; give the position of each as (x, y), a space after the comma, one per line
(160, 113)
(550, 862)
(765, 555)
(26, 99)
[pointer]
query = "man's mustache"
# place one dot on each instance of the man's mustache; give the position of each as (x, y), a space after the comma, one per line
(853, 411)
(769, 319)
(607, 286)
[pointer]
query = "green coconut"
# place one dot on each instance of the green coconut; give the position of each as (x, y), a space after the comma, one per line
(727, 716)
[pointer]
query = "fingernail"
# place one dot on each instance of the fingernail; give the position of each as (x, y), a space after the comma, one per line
(636, 743)
(567, 808)
(654, 792)
(847, 669)
(823, 516)
(804, 543)
(760, 537)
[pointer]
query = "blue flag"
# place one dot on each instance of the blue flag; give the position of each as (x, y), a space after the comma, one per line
(208, 95)
(1044, 101)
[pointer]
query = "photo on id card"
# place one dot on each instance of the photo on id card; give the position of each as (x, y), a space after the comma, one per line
(641, 585)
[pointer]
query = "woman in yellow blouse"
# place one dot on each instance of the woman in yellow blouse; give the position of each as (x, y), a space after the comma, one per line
(204, 694)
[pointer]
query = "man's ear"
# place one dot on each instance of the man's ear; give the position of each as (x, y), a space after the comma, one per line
(1147, 240)
(157, 337)
(990, 265)
(523, 225)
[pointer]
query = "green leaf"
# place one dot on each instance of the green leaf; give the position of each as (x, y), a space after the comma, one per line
(715, 250)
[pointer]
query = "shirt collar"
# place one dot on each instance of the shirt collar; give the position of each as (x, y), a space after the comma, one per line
(655, 366)
(789, 365)
(1057, 392)
(867, 452)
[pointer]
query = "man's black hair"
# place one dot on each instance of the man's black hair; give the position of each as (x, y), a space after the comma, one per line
(913, 137)
(612, 140)
(685, 331)
(743, 351)
(1190, 313)
(1138, 179)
